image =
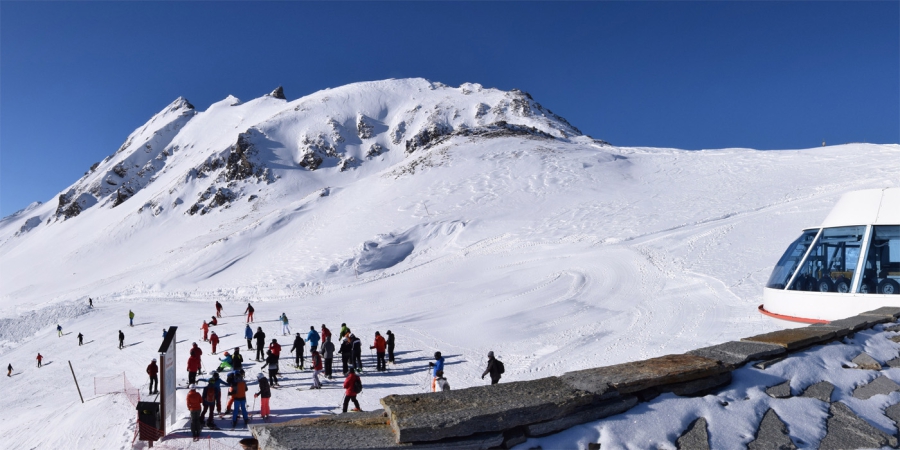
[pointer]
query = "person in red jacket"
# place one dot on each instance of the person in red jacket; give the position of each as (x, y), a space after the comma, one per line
(205, 328)
(218, 309)
(195, 350)
(350, 392)
(249, 313)
(379, 347)
(153, 370)
(39, 359)
(194, 403)
(326, 333)
(317, 369)
(214, 340)
(275, 347)
(193, 364)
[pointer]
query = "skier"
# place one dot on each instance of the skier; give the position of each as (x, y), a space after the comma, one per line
(164, 333)
(494, 368)
(344, 331)
(239, 394)
(152, 371)
(352, 387)
(379, 346)
(218, 309)
(58, 330)
(356, 345)
(297, 349)
(285, 327)
(80, 339)
(260, 343)
(237, 360)
(218, 383)
(214, 340)
(193, 404)
(213, 321)
(272, 364)
(195, 351)
(205, 328)
(249, 313)
(227, 363)
(39, 359)
(275, 348)
(346, 352)
(121, 340)
(265, 393)
(390, 346)
(328, 354)
(90, 303)
(9, 370)
(442, 384)
(317, 368)
(326, 333)
(438, 366)
(209, 403)
(313, 338)
(130, 318)
(248, 335)
(193, 364)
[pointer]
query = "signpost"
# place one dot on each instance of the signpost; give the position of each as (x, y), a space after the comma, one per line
(167, 369)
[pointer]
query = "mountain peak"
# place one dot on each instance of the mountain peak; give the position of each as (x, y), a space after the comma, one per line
(277, 93)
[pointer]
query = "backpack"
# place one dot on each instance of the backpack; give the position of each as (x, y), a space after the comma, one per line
(500, 368)
(357, 386)
(210, 394)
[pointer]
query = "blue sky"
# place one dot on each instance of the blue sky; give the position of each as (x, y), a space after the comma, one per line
(76, 78)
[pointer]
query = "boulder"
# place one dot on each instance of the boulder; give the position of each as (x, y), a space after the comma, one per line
(866, 362)
(772, 434)
(844, 430)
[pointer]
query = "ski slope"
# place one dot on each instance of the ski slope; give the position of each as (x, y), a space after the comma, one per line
(557, 252)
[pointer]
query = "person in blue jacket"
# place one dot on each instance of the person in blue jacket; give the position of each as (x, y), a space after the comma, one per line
(437, 367)
(248, 334)
(227, 363)
(312, 338)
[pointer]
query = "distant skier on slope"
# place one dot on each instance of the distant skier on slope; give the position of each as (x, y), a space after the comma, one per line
(152, 371)
(275, 348)
(39, 359)
(266, 394)
(218, 309)
(237, 360)
(58, 330)
(260, 343)
(130, 318)
(346, 352)
(437, 366)
(494, 368)
(90, 303)
(248, 335)
(239, 394)
(390, 346)
(326, 333)
(214, 340)
(344, 331)
(213, 321)
(312, 338)
(272, 365)
(352, 388)
(205, 328)
(356, 345)
(328, 355)
(285, 325)
(121, 340)
(297, 349)
(379, 345)
(317, 369)
(80, 339)
(249, 313)
(9, 370)
(193, 364)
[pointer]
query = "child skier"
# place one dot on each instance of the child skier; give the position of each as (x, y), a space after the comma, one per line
(214, 340)
(266, 394)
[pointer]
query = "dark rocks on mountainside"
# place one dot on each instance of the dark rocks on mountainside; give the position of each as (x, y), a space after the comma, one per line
(123, 193)
(120, 170)
(238, 165)
(374, 150)
(348, 163)
(278, 93)
(363, 127)
(429, 136)
(66, 209)
(313, 152)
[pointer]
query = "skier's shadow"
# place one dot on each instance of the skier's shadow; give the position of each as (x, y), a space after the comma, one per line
(181, 341)
(226, 335)
(46, 363)
(143, 323)
(132, 345)
(88, 342)
(66, 334)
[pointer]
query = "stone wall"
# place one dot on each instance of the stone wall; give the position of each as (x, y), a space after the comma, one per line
(504, 415)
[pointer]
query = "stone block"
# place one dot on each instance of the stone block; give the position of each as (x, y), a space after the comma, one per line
(893, 413)
(696, 437)
(849, 325)
(892, 328)
(880, 385)
(866, 362)
(772, 434)
(639, 375)
(844, 429)
(699, 387)
(763, 365)
(481, 409)
(821, 390)
(368, 430)
(606, 409)
(889, 312)
(514, 437)
(782, 390)
(796, 338)
(894, 363)
(737, 353)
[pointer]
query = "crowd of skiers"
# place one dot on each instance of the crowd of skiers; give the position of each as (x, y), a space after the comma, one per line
(202, 405)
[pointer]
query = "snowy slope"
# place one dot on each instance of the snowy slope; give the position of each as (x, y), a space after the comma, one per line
(463, 219)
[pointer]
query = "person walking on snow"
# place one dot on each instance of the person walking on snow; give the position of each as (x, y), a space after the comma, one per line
(205, 328)
(9, 370)
(356, 345)
(344, 331)
(346, 353)
(121, 340)
(285, 327)
(390, 346)
(209, 403)
(317, 369)
(313, 338)
(437, 366)
(326, 334)
(237, 360)
(272, 365)
(260, 343)
(239, 394)
(218, 309)
(153, 371)
(91, 303)
(80, 339)
(494, 368)
(379, 346)
(248, 335)
(352, 387)
(297, 349)
(266, 394)
(39, 359)
(275, 348)
(194, 402)
(328, 355)
(58, 330)
(218, 383)
(130, 318)
(214, 340)
(249, 313)
(193, 363)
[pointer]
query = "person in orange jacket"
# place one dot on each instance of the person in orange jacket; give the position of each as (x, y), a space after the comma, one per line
(194, 403)
(205, 328)
(214, 340)
(379, 347)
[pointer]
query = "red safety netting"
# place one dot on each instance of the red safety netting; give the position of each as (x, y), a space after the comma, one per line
(117, 384)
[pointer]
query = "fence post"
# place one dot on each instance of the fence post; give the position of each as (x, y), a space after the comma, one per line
(76, 382)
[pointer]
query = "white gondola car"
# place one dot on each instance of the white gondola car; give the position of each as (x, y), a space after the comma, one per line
(849, 265)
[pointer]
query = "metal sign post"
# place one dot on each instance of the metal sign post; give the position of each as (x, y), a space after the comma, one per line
(167, 369)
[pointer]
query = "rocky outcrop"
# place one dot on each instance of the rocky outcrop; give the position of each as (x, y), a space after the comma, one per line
(313, 152)
(364, 127)
(277, 93)
(240, 164)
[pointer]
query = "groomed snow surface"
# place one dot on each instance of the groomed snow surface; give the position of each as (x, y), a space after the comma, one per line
(556, 252)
